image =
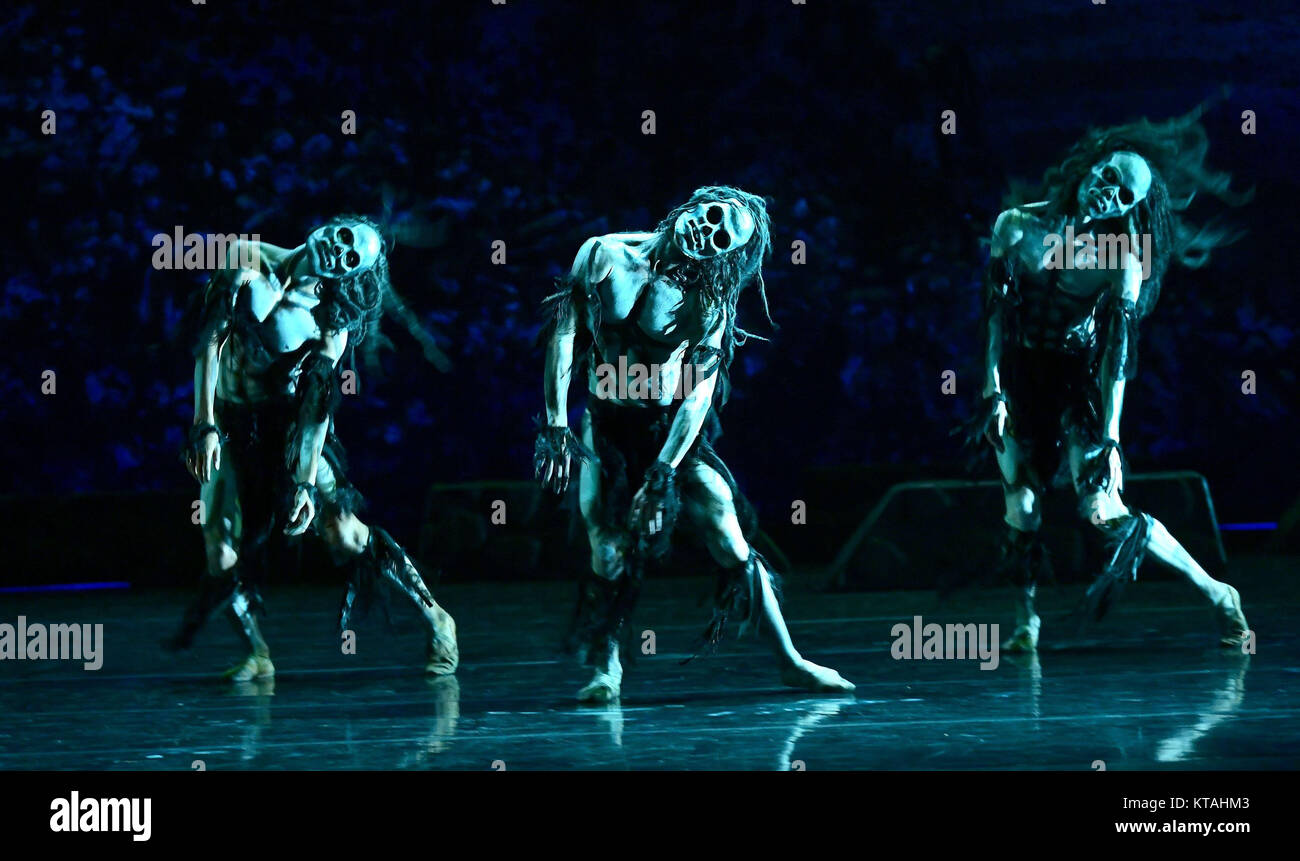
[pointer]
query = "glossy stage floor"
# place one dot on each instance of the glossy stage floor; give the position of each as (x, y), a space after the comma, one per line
(1144, 690)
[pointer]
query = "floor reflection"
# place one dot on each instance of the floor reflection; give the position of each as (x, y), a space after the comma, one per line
(257, 694)
(811, 714)
(1223, 704)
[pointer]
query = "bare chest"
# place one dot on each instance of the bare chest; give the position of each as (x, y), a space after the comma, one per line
(637, 305)
(1063, 265)
(274, 325)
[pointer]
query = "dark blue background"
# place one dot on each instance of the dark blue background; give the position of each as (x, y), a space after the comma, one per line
(522, 123)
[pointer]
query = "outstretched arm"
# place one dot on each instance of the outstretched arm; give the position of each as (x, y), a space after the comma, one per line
(317, 398)
(999, 293)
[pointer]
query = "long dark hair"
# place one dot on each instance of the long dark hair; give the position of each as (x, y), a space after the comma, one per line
(359, 302)
(1175, 150)
(722, 278)
(356, 303)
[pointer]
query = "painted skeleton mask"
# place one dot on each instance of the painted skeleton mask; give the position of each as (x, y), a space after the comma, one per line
(712, 228)
(336, 251)
(1114, 186)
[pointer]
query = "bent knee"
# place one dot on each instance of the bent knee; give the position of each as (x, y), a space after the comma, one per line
(725, 540)
(730, 553)
(608, 553)
(705, 485)
(1023, 512)
(1102, 510)
(221, 556)
(345, 534)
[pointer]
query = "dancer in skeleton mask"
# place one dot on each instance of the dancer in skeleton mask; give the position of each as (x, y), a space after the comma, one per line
(275, 324)
(1069, 280)
(653, 316)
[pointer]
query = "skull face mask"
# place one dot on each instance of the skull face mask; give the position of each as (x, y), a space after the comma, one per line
(1114, 186)
(713, 228)
(340, 250)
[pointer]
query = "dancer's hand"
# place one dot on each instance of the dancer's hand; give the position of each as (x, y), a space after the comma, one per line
(646, 517)
(555, 471)
(301, 512)
(554, 457)
(204, 457)
(996, 429)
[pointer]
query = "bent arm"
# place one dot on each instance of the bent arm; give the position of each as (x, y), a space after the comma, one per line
(707, 364)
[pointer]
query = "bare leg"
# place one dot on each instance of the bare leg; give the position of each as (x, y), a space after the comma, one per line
(220, 587)
(1023, 557)
(353, 542)
(258, 664)
(607, 681)
(1166, 548)
(711, 510)
(1224, 598)
(1024, 638)
(608, 552)
(1105, 509)
(222, 560)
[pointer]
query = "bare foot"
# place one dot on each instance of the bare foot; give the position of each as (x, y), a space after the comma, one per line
(1232, 621)
(255, 667)
(443, 651)
(813, 677)
(1024, 638)
(603, 688)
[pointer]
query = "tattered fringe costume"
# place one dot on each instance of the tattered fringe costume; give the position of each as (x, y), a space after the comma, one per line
(627, 442)
(1045, 389)
(260, 439)
(1056, 393)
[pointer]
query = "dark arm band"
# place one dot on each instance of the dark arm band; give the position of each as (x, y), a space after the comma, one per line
(318, 389)
(1121, 332)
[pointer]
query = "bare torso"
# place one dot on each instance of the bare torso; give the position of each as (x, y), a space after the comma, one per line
(274, 329)
(1058, 303)
(644, 315)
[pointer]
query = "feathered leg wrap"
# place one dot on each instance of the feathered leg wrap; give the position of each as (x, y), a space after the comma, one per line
(1025, 560)
(214, 591)
(1126, 546)
(601, 616)
(739, 597)
(244, 606)
(383, 558)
